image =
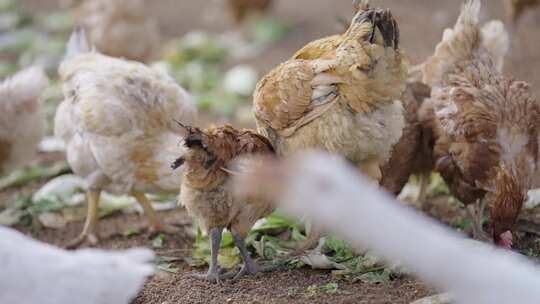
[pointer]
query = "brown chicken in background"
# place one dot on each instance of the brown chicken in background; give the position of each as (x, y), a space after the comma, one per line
(485, 125)
(412, 153)
(119, 28)
(516, 8)
(339, 94)
(207, 195)
(239, 10)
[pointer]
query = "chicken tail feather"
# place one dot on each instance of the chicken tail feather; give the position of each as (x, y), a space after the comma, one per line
(78, 43)
(496, 41)
(458, 44)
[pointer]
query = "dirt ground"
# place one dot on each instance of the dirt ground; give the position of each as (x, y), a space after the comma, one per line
(421, 23)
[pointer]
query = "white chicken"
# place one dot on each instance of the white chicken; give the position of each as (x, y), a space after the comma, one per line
(119, 122)
(22, 120)
(34, 272)
(332, 193)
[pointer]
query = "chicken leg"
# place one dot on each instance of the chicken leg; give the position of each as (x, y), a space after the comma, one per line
(89, 232)
(155, 224)
(250, 267)
(214, 271)
(476, 212)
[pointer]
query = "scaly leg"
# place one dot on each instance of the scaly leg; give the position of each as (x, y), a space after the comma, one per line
(155, 224)
(420, 199)
(476, 212)
(250, 267)
(90, 224)
(214, 272)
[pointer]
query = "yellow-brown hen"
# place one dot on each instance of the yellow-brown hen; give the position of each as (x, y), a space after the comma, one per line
(207, 194)
(339, 94)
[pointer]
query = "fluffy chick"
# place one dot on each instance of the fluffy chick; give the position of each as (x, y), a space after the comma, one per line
(22, 120)
(484, 124)
(206, 192)
(120, 28)
(118, 122)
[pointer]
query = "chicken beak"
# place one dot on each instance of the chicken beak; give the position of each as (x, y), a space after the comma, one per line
(178, 163)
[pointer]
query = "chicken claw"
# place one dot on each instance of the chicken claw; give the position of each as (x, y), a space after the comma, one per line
(214, 274)
(250, 267)
(90, 226)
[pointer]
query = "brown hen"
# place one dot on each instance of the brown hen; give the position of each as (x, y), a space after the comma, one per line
(484, 124)
(207, 195)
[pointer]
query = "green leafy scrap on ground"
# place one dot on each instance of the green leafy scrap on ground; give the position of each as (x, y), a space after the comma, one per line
(314, 290)
(27, 41)
(23, 176)
(276, 236)
(267, 30)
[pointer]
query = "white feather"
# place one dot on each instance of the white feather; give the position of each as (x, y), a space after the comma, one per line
(333, 194)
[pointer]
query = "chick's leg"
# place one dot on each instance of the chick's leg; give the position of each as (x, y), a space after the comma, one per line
(214, 271)
(155, 224)
(250, 267)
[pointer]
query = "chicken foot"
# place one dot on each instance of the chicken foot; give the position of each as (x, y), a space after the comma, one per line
(95, 181)
(215, 273)
(155, 224)
(89, 232)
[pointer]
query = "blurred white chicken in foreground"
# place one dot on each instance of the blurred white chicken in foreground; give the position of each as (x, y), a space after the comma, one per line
(119, 122)
(333, 194)
(22, 120)
(34, 272)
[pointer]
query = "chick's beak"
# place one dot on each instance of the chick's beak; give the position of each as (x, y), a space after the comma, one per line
(177, 163)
